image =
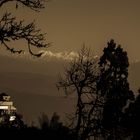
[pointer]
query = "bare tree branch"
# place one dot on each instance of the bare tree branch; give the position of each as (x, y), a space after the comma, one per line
(82, 76)
(12, 30)
(32, 4)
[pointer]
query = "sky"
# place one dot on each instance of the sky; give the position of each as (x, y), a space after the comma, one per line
(94, 22)
(71, 23)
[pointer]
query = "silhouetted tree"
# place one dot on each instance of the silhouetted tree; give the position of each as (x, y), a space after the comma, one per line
(81, 78)
(44, 121)
(131, 119)
(114, 87)
(54, 123)
(102, 92)
(53, 128)
(11, 30)
(136, 118)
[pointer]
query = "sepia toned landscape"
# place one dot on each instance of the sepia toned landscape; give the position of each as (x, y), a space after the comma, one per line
(70, 69)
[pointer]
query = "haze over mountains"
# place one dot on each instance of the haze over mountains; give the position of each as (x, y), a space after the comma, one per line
(32, 86)
(31, 83)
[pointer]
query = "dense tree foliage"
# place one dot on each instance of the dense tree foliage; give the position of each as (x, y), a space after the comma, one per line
(114, 87)
(131, 119)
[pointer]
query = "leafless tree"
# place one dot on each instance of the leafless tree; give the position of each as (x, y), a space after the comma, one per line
(81, 78)
(11, 30)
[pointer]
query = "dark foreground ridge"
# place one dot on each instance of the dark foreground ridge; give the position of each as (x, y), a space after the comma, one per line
(35, 133)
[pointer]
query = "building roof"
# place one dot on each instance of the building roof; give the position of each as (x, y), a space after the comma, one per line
(2, 95)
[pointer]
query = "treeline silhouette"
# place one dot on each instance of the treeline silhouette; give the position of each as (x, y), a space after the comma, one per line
(106, 108)
(50, 129)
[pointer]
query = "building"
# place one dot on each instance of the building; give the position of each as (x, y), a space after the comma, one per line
(7, 109)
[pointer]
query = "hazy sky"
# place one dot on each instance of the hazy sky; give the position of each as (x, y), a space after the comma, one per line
(70, 23)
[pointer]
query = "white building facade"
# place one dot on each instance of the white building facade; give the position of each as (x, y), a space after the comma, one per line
(6, 108)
